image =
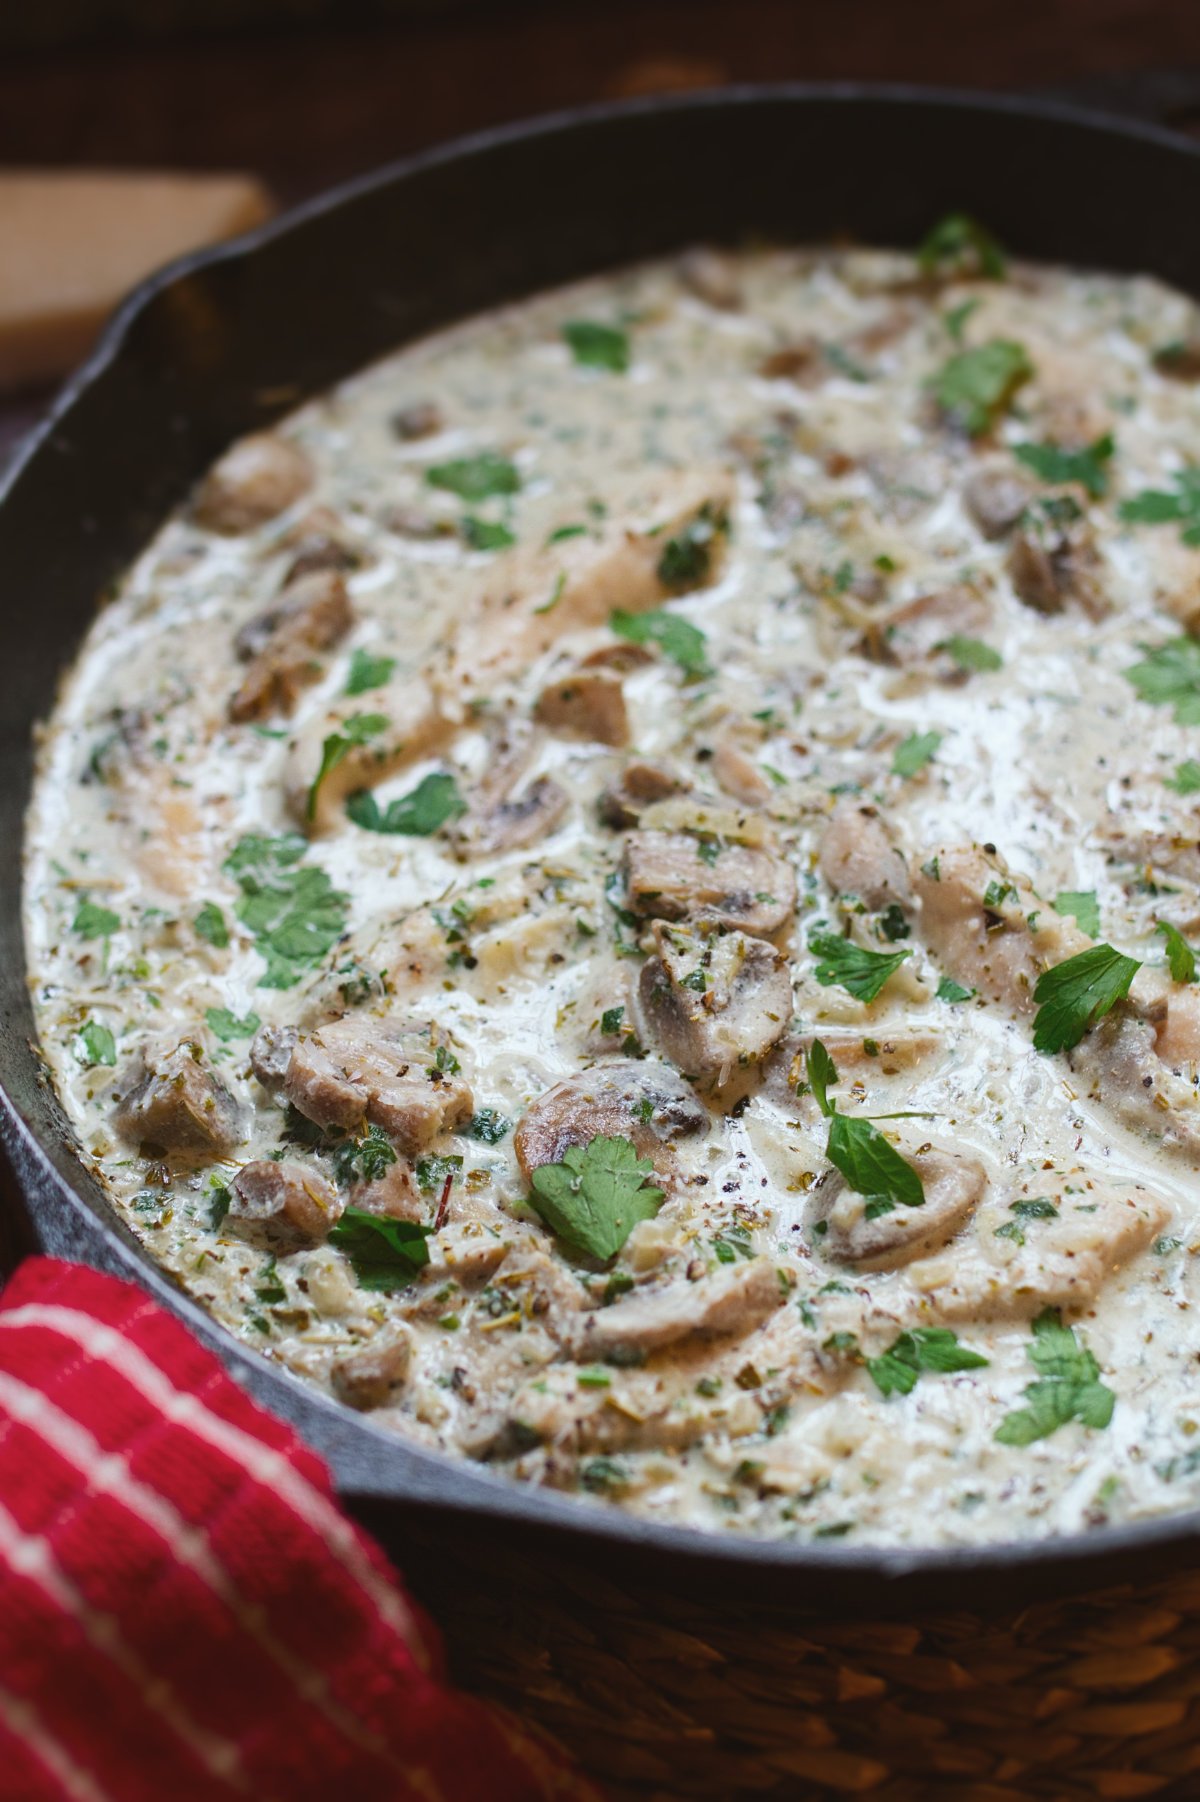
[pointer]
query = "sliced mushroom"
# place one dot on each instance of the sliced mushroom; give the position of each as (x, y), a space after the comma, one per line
(271, 1053)
(914, 635)
(1053, 563)
(736, 771)
(850, 1228)
(512, 824)
(312, 614)
(1122, 1066)
(291, 1197)
(734, 1300)
(995, 497)
(712, 276)
(640, 786)
(177, 1104)
(669, 875)
(383, 1071)
(857, 857)
(716, 1002)
(365, 1379)
(641, 1101)
(419, 419)
(256, 479)
(588, 704)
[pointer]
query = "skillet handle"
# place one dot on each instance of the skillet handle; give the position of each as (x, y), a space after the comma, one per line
(1166, 97)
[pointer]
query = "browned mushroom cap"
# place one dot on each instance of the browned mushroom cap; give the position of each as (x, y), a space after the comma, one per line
(668, 879)
(311, 614)
(588, 704)
(995, 499)
(643, 1102)
(292, 1198)
(257, 478)
(712, 276)
(954, 1185)
(1053, 563)
(641, 784)
(177, 1104)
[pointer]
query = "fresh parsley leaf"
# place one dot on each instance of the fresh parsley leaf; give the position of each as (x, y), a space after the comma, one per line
(914, 752)
(1056, 463)
(923, 1348)
(219, 1206)
(687, 557)
(1158, 506)
(975, 386)
(1033, 1207)
(1077, 993)
(486, 534)
(1169, 676)
(475, 478)
(423, 811)
(366, 1159)
(1081, 906)
(959, 245)
(955, 318)
(367, 672)
(597, 346)
(871, 1166)
(385, 1254)
(227, 1026)
(1180, 956)
(1068, 1386)
(676, 638)
(92, 922)
(95, 1044)
(595, 1197)
(488, 1126)
(861, 973)
(210, 925)
(1186, 780)
(292, 909)
(561, 532)
(970, 653)
(357, 730)
(822, 1074)
(433, 1171)
(952, 992)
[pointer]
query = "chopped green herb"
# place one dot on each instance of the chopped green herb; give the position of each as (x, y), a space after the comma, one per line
(95, 1044)
(1169, 676)
(687, 558)
(595, 1197)
(974, 387)
(610, 1020)
(1157, 506)
(871, 1166)
(423, 811)
(959, 246)
(1034, 1207)
(1077, 993)
(366, 1159)
(998, 892)
(595, 1377)
(893, 923)
(955, 318)
(209, 924)
(597, 346)
(1081, 906)
(433, 1171)
(292, 909)
(227, 1026)
(933, 1349)
(475, 478)
(92, 922)
(385, 1254)
(367, 672)
(219, 1206)
(486, 534)
(1068, 1386)
(676, 638)
(1057, 464)
(602, 1475)
(861, 973)
(1186, 780)
(953, 992)
(914, 752)
(839, 358)
(488, 1126)
(561, 532)
(357, 730)
(1181, 959)
(970, 653)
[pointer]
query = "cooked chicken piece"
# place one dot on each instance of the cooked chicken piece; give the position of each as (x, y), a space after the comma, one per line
(394, 1194)
(976, 918)
(469, 1252)
(417, 728)
(589, 704)
(1153, 829)
(1173, 1010)
(668, 878)
(712, 276)
(995, 498)
(383, 1071)
(717, 1002)
(857, 857)
(312, 614)
(953, 1184)
(420, 419)
(641, 785)
(853, 1053)
(641, 1101)
(736, 1299)
(914, 634)
(1120, 1064)
(177, 1104)
(1054, 563)
(1063, 1263)
(365, 1379)
(736, 771)
(802, 361)
(256, 479)
(291, 1197)
(271, 1053)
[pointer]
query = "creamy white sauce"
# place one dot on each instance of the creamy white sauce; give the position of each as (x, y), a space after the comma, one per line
(840, 483)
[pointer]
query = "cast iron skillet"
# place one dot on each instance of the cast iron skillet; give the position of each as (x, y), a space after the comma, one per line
(230, 339)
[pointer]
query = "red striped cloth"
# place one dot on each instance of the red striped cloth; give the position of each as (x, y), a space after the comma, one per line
(185, 1613)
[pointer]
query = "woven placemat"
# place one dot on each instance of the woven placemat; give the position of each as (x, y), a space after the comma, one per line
(1095, 1696)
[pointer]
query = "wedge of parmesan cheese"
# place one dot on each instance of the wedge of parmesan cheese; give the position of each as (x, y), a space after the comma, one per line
(74, 243)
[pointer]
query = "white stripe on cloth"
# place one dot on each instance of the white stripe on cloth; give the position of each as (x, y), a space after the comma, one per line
(21, 1719)
(262, 1462)
(31, 1556)
(109, 1473)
